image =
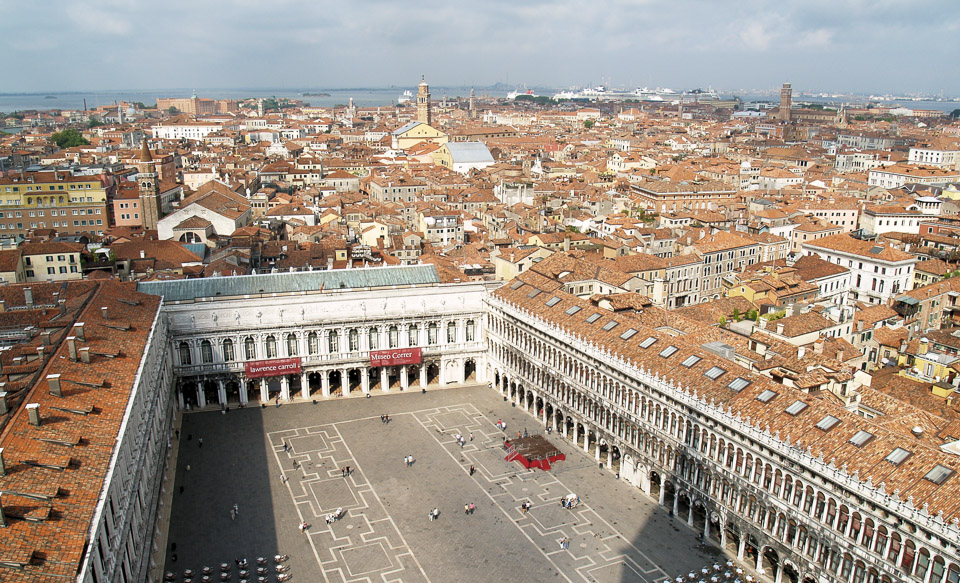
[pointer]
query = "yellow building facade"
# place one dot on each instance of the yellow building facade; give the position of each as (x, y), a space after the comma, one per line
(52, 200)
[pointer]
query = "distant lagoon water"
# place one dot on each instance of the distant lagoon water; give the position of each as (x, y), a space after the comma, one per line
(363, 97)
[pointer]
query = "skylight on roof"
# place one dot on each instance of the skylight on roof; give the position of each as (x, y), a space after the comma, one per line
(628, 334)
(553, 301)
(648, 342)
(827, 423)
(876, 250)
(939, 474)
(714, 373)
(594, 317)
(738, 384)
(861, 438)
(796, 408)
(766, 396)
(610, 325)
(572, 310)
(668, 351)
(516, 285)
(533, 293)
(691, 360)
(898, 456)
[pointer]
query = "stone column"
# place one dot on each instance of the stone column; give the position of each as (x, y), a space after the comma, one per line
(264, 391)
(244, 397)
(663, 493)
(553, 420)
(384, 379)
(221, 392)
(423, 375)
(779, 577)
(676, 502)
(706, 524)
(365, 381)
(576, 432)
(596, 450)
(344, 382)
(742, 548)
(404, 381)
(690, 514)
(201, 398)
(304, 386)
(285, 388)
(443, 373)
(325, 383)
(586, 440)
(760, 568)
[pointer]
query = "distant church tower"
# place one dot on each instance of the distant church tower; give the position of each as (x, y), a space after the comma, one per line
(149, 188)
(473, 110)
(786, 102)
(424, 115)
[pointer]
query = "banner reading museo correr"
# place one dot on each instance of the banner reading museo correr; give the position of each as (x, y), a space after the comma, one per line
(272, 368)
(396, 356)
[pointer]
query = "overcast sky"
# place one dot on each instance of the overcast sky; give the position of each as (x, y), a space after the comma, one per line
(824, 45)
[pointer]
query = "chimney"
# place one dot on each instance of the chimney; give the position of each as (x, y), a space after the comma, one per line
(762, 323)
(54, 381)
(566, 243)
(801, 350)
(143, 254)
(103, 311)
(63, 306)
(840, 355)
(917, 431)
(3, 520)
(45, 337)
(330, 262)
(40, 352)
(28, 296)
(33, 413)
(78, 331)
(3, 471)
(85, 354)
(779, 328)
(72, 347)
(3, 306)
(4, 408)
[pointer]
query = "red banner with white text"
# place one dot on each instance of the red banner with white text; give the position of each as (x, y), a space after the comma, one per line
(395, 357)
(272, 368)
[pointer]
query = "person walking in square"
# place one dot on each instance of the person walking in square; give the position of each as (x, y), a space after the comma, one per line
(473, 470)
(200, 442)
(466, 508)
(236, 509)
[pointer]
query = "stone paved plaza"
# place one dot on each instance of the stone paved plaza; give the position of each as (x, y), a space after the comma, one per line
(616, 534)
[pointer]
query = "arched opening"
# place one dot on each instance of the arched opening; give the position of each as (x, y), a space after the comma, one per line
(699, 516)
(614, 462)
(413, 375)
(433, 373)
(393, 377)
(315, 382)
(336, 384)
(353, 379)
(211, 392)
(733, 540)
(791, 573)
(496, 379)
(655, 485)
(470, 371)
(771, 562)
(188, 391)
(669, 493)
(233, 391)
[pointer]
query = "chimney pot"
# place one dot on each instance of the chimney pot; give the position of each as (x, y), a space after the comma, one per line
(45, 337)
(3, 472)
(78, 331)
(54, 381)
(3, 306)
(40, 351)
(63, 306)
(4, 408)
(28, 296)
(143, 254)
(103, 311)
(33, 412)
(85, 354)
(72, 347)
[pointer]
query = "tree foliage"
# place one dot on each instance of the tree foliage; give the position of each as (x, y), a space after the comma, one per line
(69, 138)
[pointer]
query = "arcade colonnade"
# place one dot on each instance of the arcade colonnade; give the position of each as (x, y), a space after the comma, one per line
(742, 492)
(334, 359)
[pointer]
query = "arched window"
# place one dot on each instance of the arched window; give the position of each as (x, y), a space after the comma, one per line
(206, 352)
(249, 349)
(271, 346)
(313, 343)
(354, 340)
(432, 333)
(470, 327)
(228, 350)
(394, 337)
(333, 342)
(374, 336)
(451, 332)
(184, 350)
(291, 344)
(413, 335)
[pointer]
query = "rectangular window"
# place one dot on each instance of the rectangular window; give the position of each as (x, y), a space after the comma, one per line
(796, 408)
(738, 384)
(691, 360)
(628, 334)
(594, 317)
(861, 438)
(553, 301)
(898, 456)
(668, 351)
(648, 342)
(766, 396)
(714, 372)
(827, 423)
(572, 310)
(610, 325)
(939, 474)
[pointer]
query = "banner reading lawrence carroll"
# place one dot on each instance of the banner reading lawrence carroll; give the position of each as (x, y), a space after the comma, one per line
(395, 357)
(272, 368)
